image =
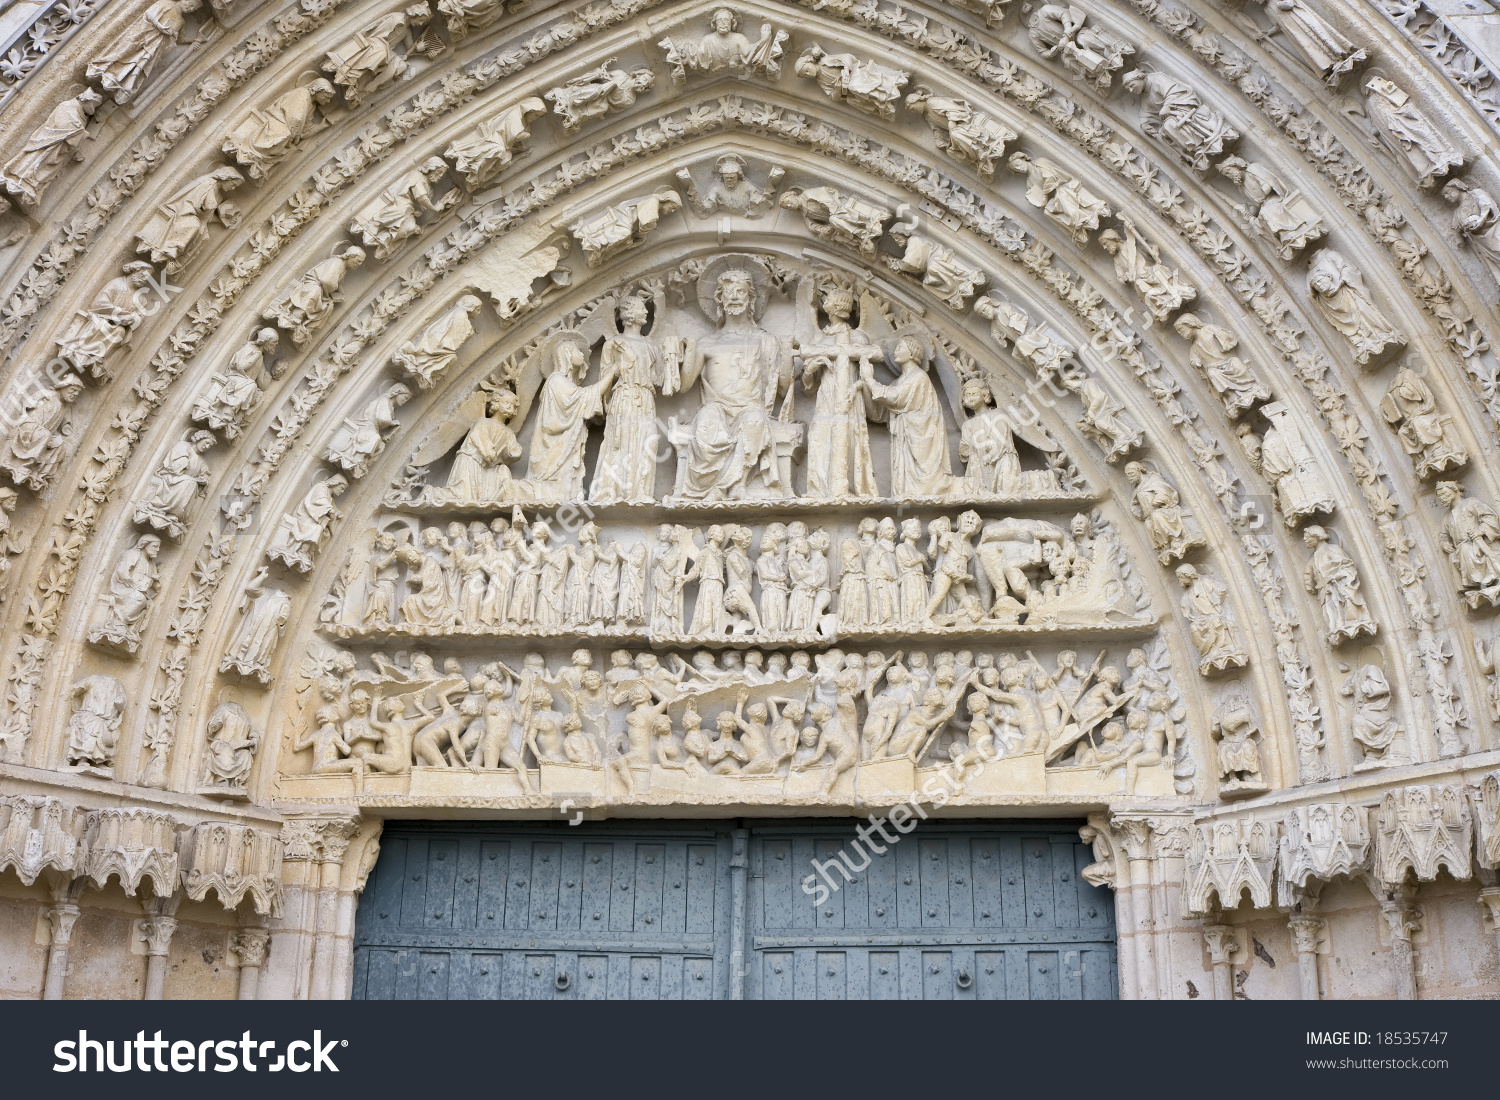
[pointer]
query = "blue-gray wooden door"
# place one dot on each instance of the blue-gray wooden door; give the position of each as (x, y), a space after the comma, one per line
(626, 910)
(537, 911)
(973, 911)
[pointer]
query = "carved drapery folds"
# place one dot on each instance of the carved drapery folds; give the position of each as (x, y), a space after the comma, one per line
(236, 862)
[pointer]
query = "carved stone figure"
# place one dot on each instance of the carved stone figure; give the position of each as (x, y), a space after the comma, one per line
(1174, 112)
(1236, 383)
(31, 449)
(305, 306)
(123, 68)
(467, 16)
(1058, 30)
(732, 448)
(126, 603)
(1471, 539)
(303, 530)
(1281, 213)
(180, 225)
(263, 137)
(1138, 264)
(94, 727)
(50, 147)
(838, 436)
(565, 407)
(1331, 575)
(1477, 219)
(369, 60)
(1172, 531)
(919, 439)
(436, 349)
(864, 85)
(1059, 196)
(1238, 737)
(987, 445)
(951, 279)
(1328, 53)
(232, 741)
(231, 395)
(263, 615)
(1373, 725)
(492, 144)
(1288, 463)
(966, 135)
(1407, 134)
(361, 437)
(598, 92)
(481, 469)
(724, 47)
(832, 215)
(177, 483)
(730, 190)
(1214, 634)
(626, 467)
(1341, 297)
(1102, 418)
(623, 225)
(1426, 434)
(106, 325)
(387, 221)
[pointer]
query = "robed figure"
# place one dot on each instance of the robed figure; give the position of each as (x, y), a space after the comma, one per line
(838, 438)
(565, 407)
(626, 468)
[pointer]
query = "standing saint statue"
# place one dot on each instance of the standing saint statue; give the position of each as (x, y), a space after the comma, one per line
(1471, 539)
(264, 612)
(919, 438)
(626, 469)
(126, 63)
(50, 147)
(1332, 576)
(1328, 52)
(565, 407)
(436, 349)
(1407, 134)
(838, 438)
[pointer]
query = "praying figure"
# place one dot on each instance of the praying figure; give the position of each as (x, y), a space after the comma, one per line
(127, 62)
(306, 305)
(179, 226)
(565, 406)
(481, 469)
(919, 439)
(50, 147)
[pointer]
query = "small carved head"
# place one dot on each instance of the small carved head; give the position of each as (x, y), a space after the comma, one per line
(911, 350)
(976, 394)
(353, 256)
(1134, 471)
(731, 166)
(434, 167)
(1109, 240)
(642, 79)
(735, 293)
(1187, 576)
(724, 20)
(398, 394)
(1314, 535)
(838, 302)
(1188, 325)
(202, 440)
(1134, 81)
(1449, 492)
(911, 529)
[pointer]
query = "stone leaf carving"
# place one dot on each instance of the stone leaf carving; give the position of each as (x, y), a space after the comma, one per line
(106, 325)
(1331, 575)
(1339, 292)
(1214, 633)
(1239, 748)
(730, 190)
(1058, 195)
(266, 135)
(832, 215)
(232, 743)
(724, 48)
(1471, 539)
(135, 844)
(1426, 434)
(49, 148)
(624, 225)
(40, 834)
(1421, 829)
(94, 726)
(371, 59)
(362, 436)
(387, 221)
(1154, 501)
(436, 349)
(126, 64)
(229, 396)
(235, 862)
(1175, 114)
(32, 447)
(966, 135)
(1280, 213)
(307, 305)
(263, 615)
(864, 85)
(1060, 31)
(1227, 858)
(178, 228)
(597, 93)
(301, 532)
(127, 601)
(1407, 134)
(1321, 841)
(176, 485)
(492, 144)
(1235, 381)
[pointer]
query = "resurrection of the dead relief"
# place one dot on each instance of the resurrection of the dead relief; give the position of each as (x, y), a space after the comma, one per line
(462, 407)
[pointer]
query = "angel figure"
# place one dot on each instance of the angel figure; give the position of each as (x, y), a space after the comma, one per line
(492, 144)
(180, 225)
(731, 190)
(626, 466)
(305, 306)
(919, 439)
(480, 473)
(436, 349)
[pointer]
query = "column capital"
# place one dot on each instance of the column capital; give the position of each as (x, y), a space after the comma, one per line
(1221, 942)
(1306, 932)
(157, 934)
(251, 945)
